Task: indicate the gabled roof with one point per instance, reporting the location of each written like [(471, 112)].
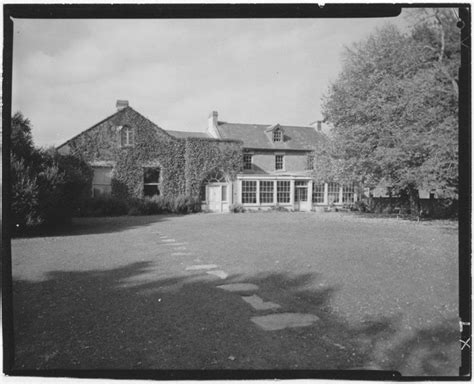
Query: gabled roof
[(186, 134), (257, 136), (125, 116)]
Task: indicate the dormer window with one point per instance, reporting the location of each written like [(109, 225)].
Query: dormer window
[(277, 135), (126, 136)]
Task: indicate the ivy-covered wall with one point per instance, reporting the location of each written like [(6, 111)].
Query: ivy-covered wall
[(184, 163), (205, 155)]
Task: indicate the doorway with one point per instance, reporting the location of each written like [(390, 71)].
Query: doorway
[(301, 194), (218, 197)]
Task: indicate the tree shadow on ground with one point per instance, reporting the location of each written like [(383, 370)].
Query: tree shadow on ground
[(123, 319), (90, 225)]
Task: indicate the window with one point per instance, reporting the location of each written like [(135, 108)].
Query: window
[(247, 161), (102, 181), (318, 193), (249, 192), (202, 192), (301, 190), (278, 162), (151, 181), (310, 162), (333, 193), (283, 191), (216, 176), (266, 192), (224, 193), (277, 135), (348, 194), (126, 136)]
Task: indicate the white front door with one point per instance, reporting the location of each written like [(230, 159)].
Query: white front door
[(218, 200), (215, 198)]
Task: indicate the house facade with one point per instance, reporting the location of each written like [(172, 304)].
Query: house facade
[(257, 165)]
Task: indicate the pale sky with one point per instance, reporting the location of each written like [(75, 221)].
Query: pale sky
[(68, 74)]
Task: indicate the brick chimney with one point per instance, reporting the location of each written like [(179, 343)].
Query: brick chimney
[(212, 125), (121, 104)]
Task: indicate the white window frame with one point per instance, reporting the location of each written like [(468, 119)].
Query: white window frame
[(282, 162), (348, 190), (251, 161), (286, 192), (256, 192), (272, 183), (317, 190), (332, 192), (277, 135), (129, 136)]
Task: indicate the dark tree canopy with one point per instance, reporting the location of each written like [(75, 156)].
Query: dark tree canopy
[(46, 187), (21, 138), (394, 107)]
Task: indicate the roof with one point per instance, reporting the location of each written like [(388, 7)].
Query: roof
[(124, 116), (186, 134), (258, 136)]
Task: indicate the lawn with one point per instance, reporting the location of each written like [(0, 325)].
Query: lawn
[(112, 293)]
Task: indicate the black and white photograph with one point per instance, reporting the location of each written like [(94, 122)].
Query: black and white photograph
[(236, 191)]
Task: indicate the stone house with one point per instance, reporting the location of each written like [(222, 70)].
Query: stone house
[(256, 165)]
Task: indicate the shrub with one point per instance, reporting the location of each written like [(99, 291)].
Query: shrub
[(49, 189), (159, 204), (104, 206), (278, 208), (25, 193), (360, 206), (237, 208)]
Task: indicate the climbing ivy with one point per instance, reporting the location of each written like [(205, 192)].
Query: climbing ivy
[(184, 163), (205, 155)]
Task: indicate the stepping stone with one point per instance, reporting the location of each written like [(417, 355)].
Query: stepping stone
[(169, 240), (238, 287), (218, 273), (180, 248), (258, 304), (200, 267), (173, 244), (277, 321)]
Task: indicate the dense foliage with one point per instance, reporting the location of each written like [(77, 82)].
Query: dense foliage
[(203, 156), (184, 163), (113, 206), (46, 187), (394, 108)]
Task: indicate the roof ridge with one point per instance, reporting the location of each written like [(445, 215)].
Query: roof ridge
[(267, 125), (95, 125)]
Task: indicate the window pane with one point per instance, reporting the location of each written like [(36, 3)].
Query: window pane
[(224, 193), (151, 190), (249, 192), (318, 193), (266, 192), (348, 194), (283, 191), (278, 162), (277, 135), (247, 161), (151, 175), (333, 193), (126, 136), (202, 193)]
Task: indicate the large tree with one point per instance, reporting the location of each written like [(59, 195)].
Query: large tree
[(393, 107), (46, 187)]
